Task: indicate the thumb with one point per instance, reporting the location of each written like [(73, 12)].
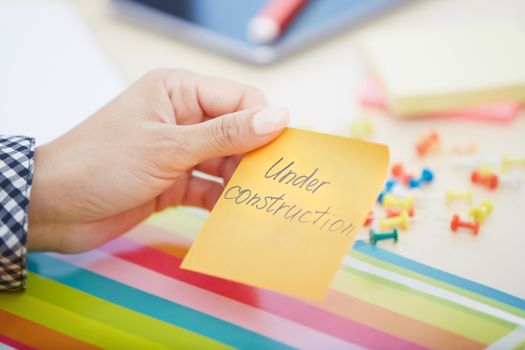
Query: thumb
[(234, 133)]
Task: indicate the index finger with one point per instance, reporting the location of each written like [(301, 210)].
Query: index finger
[(196, 98)]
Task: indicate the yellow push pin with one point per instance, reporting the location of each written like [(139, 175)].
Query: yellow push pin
[(401, 221), (507, 162), (362, 129), (451, 196), (484, 170), (481, 212), (391, 201)]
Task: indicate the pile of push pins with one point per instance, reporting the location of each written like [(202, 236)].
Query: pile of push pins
[(397, 202)]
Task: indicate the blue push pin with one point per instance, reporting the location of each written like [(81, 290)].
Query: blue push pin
[(379, 236), (389, 185), (427, 176)]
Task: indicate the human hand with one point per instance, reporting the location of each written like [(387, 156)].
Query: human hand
[(135, 156)]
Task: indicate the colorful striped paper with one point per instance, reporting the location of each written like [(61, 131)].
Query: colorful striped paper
[(131, 293)]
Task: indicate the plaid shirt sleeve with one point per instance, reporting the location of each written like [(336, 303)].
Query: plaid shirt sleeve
[(16, 173)]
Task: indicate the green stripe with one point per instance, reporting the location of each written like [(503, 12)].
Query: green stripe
[(420, 306), (482, 299), (116, 316), (69, 323)]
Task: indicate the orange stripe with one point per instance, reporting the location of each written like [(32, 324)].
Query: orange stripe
[(35, 335)]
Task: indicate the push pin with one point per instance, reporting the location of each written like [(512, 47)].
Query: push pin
[(391, 201), (362, 129), (507, 163), (369, 219), (398, 172), (456, 223), (427, 176), (490, 181), (400, 221), (379, 236), (396, 212), (460, 195), (484, 170), (481, 212), (389, 185), (427, 144)]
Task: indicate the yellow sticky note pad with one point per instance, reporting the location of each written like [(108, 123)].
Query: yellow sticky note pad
[(290, 213)]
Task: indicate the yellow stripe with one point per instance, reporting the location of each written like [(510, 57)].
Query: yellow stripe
[(419, 307), (116, 316), (69, 323)]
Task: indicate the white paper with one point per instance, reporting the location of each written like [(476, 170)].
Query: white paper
[(53, 74)]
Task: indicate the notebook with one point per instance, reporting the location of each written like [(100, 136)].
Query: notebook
[(372, 96), (426, 70)]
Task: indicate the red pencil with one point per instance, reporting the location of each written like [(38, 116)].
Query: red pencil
[(272, 20)]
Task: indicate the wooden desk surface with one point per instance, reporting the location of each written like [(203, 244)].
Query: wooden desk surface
[(319, 86)]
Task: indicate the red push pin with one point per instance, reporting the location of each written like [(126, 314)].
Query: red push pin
[(398, 172), (488, 180), (456, 222), (369, 219), (396, 212), (427, 144)]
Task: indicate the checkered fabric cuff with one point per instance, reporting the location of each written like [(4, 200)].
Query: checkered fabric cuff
[(16, 173)]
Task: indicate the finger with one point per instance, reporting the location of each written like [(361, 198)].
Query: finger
[(196, 98), (222, 167), (190, 190), (202, 193), (235, 133)]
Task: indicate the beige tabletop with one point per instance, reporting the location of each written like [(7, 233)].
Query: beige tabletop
[(319, 86)]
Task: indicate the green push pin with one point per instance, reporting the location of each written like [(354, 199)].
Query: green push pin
[(379, 236)]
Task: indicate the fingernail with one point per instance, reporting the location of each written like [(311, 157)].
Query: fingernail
[(270, 120)]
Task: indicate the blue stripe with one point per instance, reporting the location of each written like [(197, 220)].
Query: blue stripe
[(148, 304), (411, 265)]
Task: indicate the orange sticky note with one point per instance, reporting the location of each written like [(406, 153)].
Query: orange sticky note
[(290, 213)]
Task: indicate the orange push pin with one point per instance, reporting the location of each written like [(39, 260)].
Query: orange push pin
[(369, 219), (427, 144), (398, 172), (456, 223), (488, 180), (400, 221), (396, 212)]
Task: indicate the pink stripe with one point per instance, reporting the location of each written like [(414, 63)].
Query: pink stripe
[(14, 343), (292, 309), (207, 302)]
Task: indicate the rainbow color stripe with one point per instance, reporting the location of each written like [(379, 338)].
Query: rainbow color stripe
[(131, 293)]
